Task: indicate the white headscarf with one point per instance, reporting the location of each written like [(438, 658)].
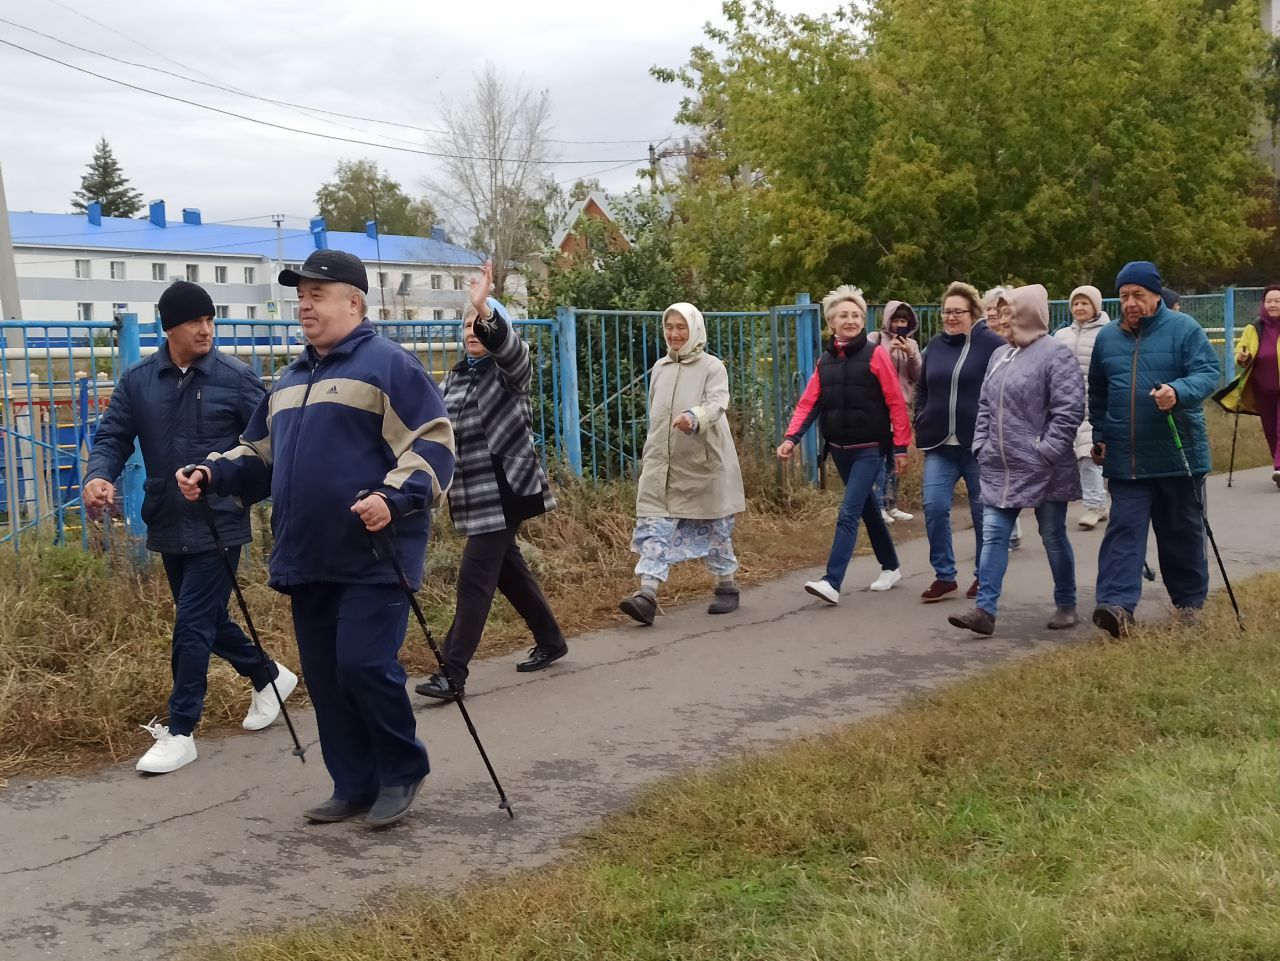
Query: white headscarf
[(697, 332)]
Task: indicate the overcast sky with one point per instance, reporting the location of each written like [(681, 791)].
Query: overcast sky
[(383, 59)]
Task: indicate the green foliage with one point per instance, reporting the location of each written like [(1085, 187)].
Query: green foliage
[(360, 192), (915, 143), (107, 184)]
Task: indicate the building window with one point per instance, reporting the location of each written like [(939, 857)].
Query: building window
[(158, 272), (222, 312), (459, 283), (382, 278), (193, 273), (293, 311), (83, 270), (84, 311), (437, 315), (384, 313), (457, 315), (436, 281), (219, 275), (117, 270), (248, 275)]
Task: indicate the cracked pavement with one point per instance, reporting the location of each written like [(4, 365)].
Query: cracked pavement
[(116, 864)]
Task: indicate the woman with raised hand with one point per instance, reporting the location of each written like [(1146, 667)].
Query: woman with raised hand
[(855, 397), (690, 481), (1030, 407)]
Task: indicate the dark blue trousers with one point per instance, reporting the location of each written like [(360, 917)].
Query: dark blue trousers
[(1168, 506), (201, 589), (349, 636)]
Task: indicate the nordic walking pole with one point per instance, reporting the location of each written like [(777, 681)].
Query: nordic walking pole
[(1231, 471), (503, 803), (299, 751), (1204, 514)]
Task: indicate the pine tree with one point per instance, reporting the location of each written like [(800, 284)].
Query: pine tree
[(105, 183)]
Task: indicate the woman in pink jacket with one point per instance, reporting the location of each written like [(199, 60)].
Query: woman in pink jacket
[(899, 326)]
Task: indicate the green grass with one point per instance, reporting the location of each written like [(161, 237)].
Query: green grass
[(1097, 802)]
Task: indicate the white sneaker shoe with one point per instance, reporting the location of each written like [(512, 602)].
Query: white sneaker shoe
[(264, 707), (886, 580), (888, 518), (823, 590), (1275, 478), (898, 515), (170, 752), (1089, 520)]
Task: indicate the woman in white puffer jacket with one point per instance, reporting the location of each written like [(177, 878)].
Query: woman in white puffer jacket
[(1088, 318)]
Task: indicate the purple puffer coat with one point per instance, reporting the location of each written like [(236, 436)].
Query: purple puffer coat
[(1031, 405)]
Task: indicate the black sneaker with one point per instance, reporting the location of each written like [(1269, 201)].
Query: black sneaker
[(1115, 620), (436, 686), (540, 657), (335, 810), (640, 606)]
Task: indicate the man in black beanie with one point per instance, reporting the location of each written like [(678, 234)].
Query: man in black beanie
[(182, 402)]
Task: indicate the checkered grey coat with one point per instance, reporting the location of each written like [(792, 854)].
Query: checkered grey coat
[(492, 422)]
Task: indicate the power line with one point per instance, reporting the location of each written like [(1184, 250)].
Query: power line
[(286, 103), (297, 130)]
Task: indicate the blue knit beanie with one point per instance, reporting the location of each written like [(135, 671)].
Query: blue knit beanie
[(1140, 272)]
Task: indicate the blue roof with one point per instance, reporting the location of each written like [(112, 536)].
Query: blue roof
[(32, 229)]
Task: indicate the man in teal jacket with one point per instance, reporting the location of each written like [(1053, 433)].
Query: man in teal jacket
[(1156, 361)]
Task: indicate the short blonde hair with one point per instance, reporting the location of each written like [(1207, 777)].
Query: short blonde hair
[(839, 296), (970, 293)]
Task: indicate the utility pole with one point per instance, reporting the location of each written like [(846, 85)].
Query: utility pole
[(11, 309), (275, 282), (653, 169), (10, 303)]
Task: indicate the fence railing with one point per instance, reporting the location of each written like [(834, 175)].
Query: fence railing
[(589, 393)]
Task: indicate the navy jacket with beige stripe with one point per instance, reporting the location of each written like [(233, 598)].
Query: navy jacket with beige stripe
[(365, 416)]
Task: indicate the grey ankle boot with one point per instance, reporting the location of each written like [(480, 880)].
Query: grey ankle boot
[(726, 599), (1063, 618), (640, 606)]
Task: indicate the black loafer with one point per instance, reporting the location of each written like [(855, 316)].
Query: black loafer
[(336, 809), (393, 803), (436, 686), (540, 657)]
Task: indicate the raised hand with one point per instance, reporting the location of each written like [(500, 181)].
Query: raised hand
[(480, 287)]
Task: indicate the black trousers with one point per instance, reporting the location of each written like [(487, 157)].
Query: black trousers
[(492, 562)]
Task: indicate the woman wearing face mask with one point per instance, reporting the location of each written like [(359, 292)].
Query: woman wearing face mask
[(497, 485), (1031, 405), (857, 400), (946, 408), (1257, 388), (897, 336), (1088, 318), (690, 482)]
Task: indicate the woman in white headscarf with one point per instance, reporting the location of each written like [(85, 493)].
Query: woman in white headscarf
[(690, 481)]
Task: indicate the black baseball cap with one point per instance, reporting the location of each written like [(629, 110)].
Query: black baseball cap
[(336, 266)]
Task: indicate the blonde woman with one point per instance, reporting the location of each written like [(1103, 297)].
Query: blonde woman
[(690, 482)]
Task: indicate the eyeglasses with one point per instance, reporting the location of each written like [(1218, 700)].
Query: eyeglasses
[(955, 313)]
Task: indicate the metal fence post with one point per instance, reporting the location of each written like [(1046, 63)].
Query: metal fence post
[(807, 327), (1229, 331), (134, 473), (570, 415)]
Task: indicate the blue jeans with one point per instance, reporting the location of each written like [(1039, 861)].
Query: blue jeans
[(943, 469), (997, 528), (1168, 506), (201, 627), (887, 483), (858, 469)]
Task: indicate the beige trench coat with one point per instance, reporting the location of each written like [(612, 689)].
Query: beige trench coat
[(690, 477)]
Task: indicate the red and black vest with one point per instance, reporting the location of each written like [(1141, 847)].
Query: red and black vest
[(851, 404)]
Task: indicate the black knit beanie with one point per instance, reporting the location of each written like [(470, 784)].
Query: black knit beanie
[(183, 301)]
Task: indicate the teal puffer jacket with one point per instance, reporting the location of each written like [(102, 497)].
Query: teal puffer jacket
[(1169, 348)]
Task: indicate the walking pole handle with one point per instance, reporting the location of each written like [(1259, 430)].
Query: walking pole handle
[(1173, 426)]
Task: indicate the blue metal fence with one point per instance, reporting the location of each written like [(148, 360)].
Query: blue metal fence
[(589, 392)]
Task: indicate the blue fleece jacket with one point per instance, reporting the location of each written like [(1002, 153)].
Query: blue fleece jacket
[(1171, 348), (365, 416), (950, 384)]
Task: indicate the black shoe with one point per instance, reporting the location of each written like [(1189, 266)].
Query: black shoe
[(436, 686), (336, 809), (640, 606), (540, 657), (393, 803), (1116, 621), (726, 599)]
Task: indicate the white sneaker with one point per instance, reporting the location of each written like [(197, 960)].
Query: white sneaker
[(264, 706), (823, 590), (898, 515), (888, 518), (1275, 478), (1089, 519), (886, 580), (170, 752)]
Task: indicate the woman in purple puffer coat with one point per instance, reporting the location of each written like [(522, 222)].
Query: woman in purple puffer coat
[(1031, 405)]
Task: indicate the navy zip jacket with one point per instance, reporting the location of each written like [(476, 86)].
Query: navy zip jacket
[(1171, 348), (365, 416), (950, 384), (177, 419)]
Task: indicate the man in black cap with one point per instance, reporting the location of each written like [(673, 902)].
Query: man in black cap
[(183, 401), (355, 414)]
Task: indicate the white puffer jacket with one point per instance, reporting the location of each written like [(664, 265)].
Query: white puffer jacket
[(1080, 339)]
